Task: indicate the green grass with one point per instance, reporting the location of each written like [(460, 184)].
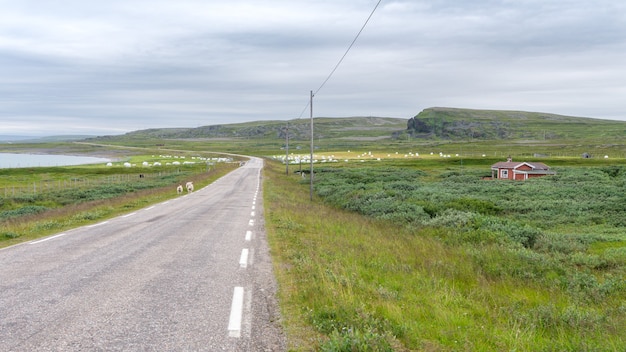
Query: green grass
[(28, 215), (455, 284), (417, 253)]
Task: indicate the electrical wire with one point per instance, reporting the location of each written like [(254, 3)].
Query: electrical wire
[(343, 57), (348, 50)]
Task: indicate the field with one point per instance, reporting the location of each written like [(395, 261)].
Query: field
[(404, 247), (410, 255), (38, 201)]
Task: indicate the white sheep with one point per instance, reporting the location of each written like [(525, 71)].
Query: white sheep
[(189, 186), (179, 189)]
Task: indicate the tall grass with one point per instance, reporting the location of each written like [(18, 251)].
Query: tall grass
[(445, 280)]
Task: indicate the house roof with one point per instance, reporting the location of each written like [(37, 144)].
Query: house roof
[(514, 165)]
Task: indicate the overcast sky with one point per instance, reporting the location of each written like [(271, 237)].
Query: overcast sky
[(109, 67)]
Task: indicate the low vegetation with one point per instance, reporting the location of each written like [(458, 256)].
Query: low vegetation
[(35, 202), (402, 248), (406, 258)]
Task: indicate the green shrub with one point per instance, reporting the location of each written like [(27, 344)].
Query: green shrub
[(26, 210), (26, 198), (613, 171), (454, 218), (479, 206), (515, 231), (558, 243), (88, 215), (10, 234), (587, 288), (591, 261), (616, 256), (46, 226)]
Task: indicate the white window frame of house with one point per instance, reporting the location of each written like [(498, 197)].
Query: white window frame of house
[(504, 173)]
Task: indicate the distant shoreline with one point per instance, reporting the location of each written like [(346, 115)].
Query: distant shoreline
[(24, 160)]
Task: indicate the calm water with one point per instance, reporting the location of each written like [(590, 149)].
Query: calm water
[(9, 160)]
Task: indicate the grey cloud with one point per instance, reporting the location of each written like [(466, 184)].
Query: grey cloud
[(138, 64)]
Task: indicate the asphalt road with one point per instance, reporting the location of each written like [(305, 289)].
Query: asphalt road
[(189, 274)]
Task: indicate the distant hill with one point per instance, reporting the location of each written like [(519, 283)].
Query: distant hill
[(452, 123), (346, 127), (435, 123)]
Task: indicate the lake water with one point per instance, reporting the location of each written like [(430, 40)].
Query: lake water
[(10, 160)]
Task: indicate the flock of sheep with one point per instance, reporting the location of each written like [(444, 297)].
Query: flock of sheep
[(188, 185)]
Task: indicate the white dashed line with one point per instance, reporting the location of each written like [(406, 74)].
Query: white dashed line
[(128, 215), (95, 225), (243, 260), (248, 236), (252, 214), (251, 222), (236, 311), (49, 238)]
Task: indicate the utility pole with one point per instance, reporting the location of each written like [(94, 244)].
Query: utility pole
[(311, 172), (287, 148)]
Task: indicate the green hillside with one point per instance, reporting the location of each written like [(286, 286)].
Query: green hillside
[(450, 123), (436, 123), (447, 130), (299, 129)]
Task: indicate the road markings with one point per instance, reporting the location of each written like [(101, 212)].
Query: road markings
[(236, 311), (248, 236), (95, 225), (128, 215), (252, 214), (251, 257), (49, 238), (243, 260), (152, 207), (251, 222)]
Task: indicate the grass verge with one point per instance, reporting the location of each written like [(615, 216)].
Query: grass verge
[(350, 283)]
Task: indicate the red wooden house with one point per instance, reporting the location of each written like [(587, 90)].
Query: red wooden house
[(511, 170)]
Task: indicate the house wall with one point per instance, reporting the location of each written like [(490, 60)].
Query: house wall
[(508, 177)]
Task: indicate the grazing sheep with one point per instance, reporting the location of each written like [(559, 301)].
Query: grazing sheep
[(179, 189), (189, 186)]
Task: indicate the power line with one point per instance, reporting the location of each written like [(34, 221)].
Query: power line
[(348, 50), (343, 57)]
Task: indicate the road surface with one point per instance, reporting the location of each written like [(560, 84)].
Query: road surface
[(189, 274)]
